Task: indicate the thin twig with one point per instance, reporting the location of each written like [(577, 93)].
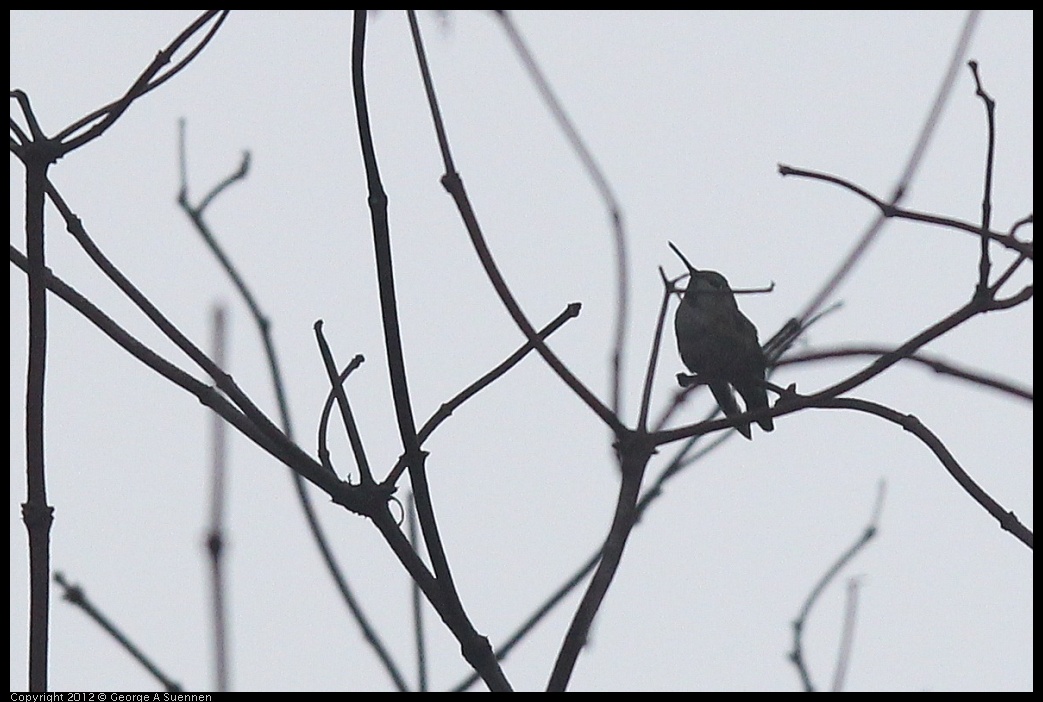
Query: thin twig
[(653, 360), (986, 198), (223, 380), (327, 411), (797, 654), (418, 610), (215, 540), (74, 595), (354, 438), (447, 408), (1008, 521), (847, 635)]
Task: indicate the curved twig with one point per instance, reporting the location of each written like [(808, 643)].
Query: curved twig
[(327, 411), (615, 212), (149, 80), (1008, 521), (911, 166), (337, 387), (797, 654)]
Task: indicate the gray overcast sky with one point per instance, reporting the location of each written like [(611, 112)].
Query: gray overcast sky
[(688, 113)]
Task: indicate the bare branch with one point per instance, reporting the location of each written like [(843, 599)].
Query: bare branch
[(634, 452), (938, 365), (475, 648), (889, 210), (264, 328), (454, 185)]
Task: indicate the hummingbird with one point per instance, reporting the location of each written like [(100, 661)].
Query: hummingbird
[(719, 344)]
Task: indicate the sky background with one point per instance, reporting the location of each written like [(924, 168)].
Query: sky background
[(688, 114)]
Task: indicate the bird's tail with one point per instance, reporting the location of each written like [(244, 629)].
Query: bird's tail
[(756, 397), (722, 392)]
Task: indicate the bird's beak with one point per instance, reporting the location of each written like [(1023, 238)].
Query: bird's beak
[(691, 269)]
